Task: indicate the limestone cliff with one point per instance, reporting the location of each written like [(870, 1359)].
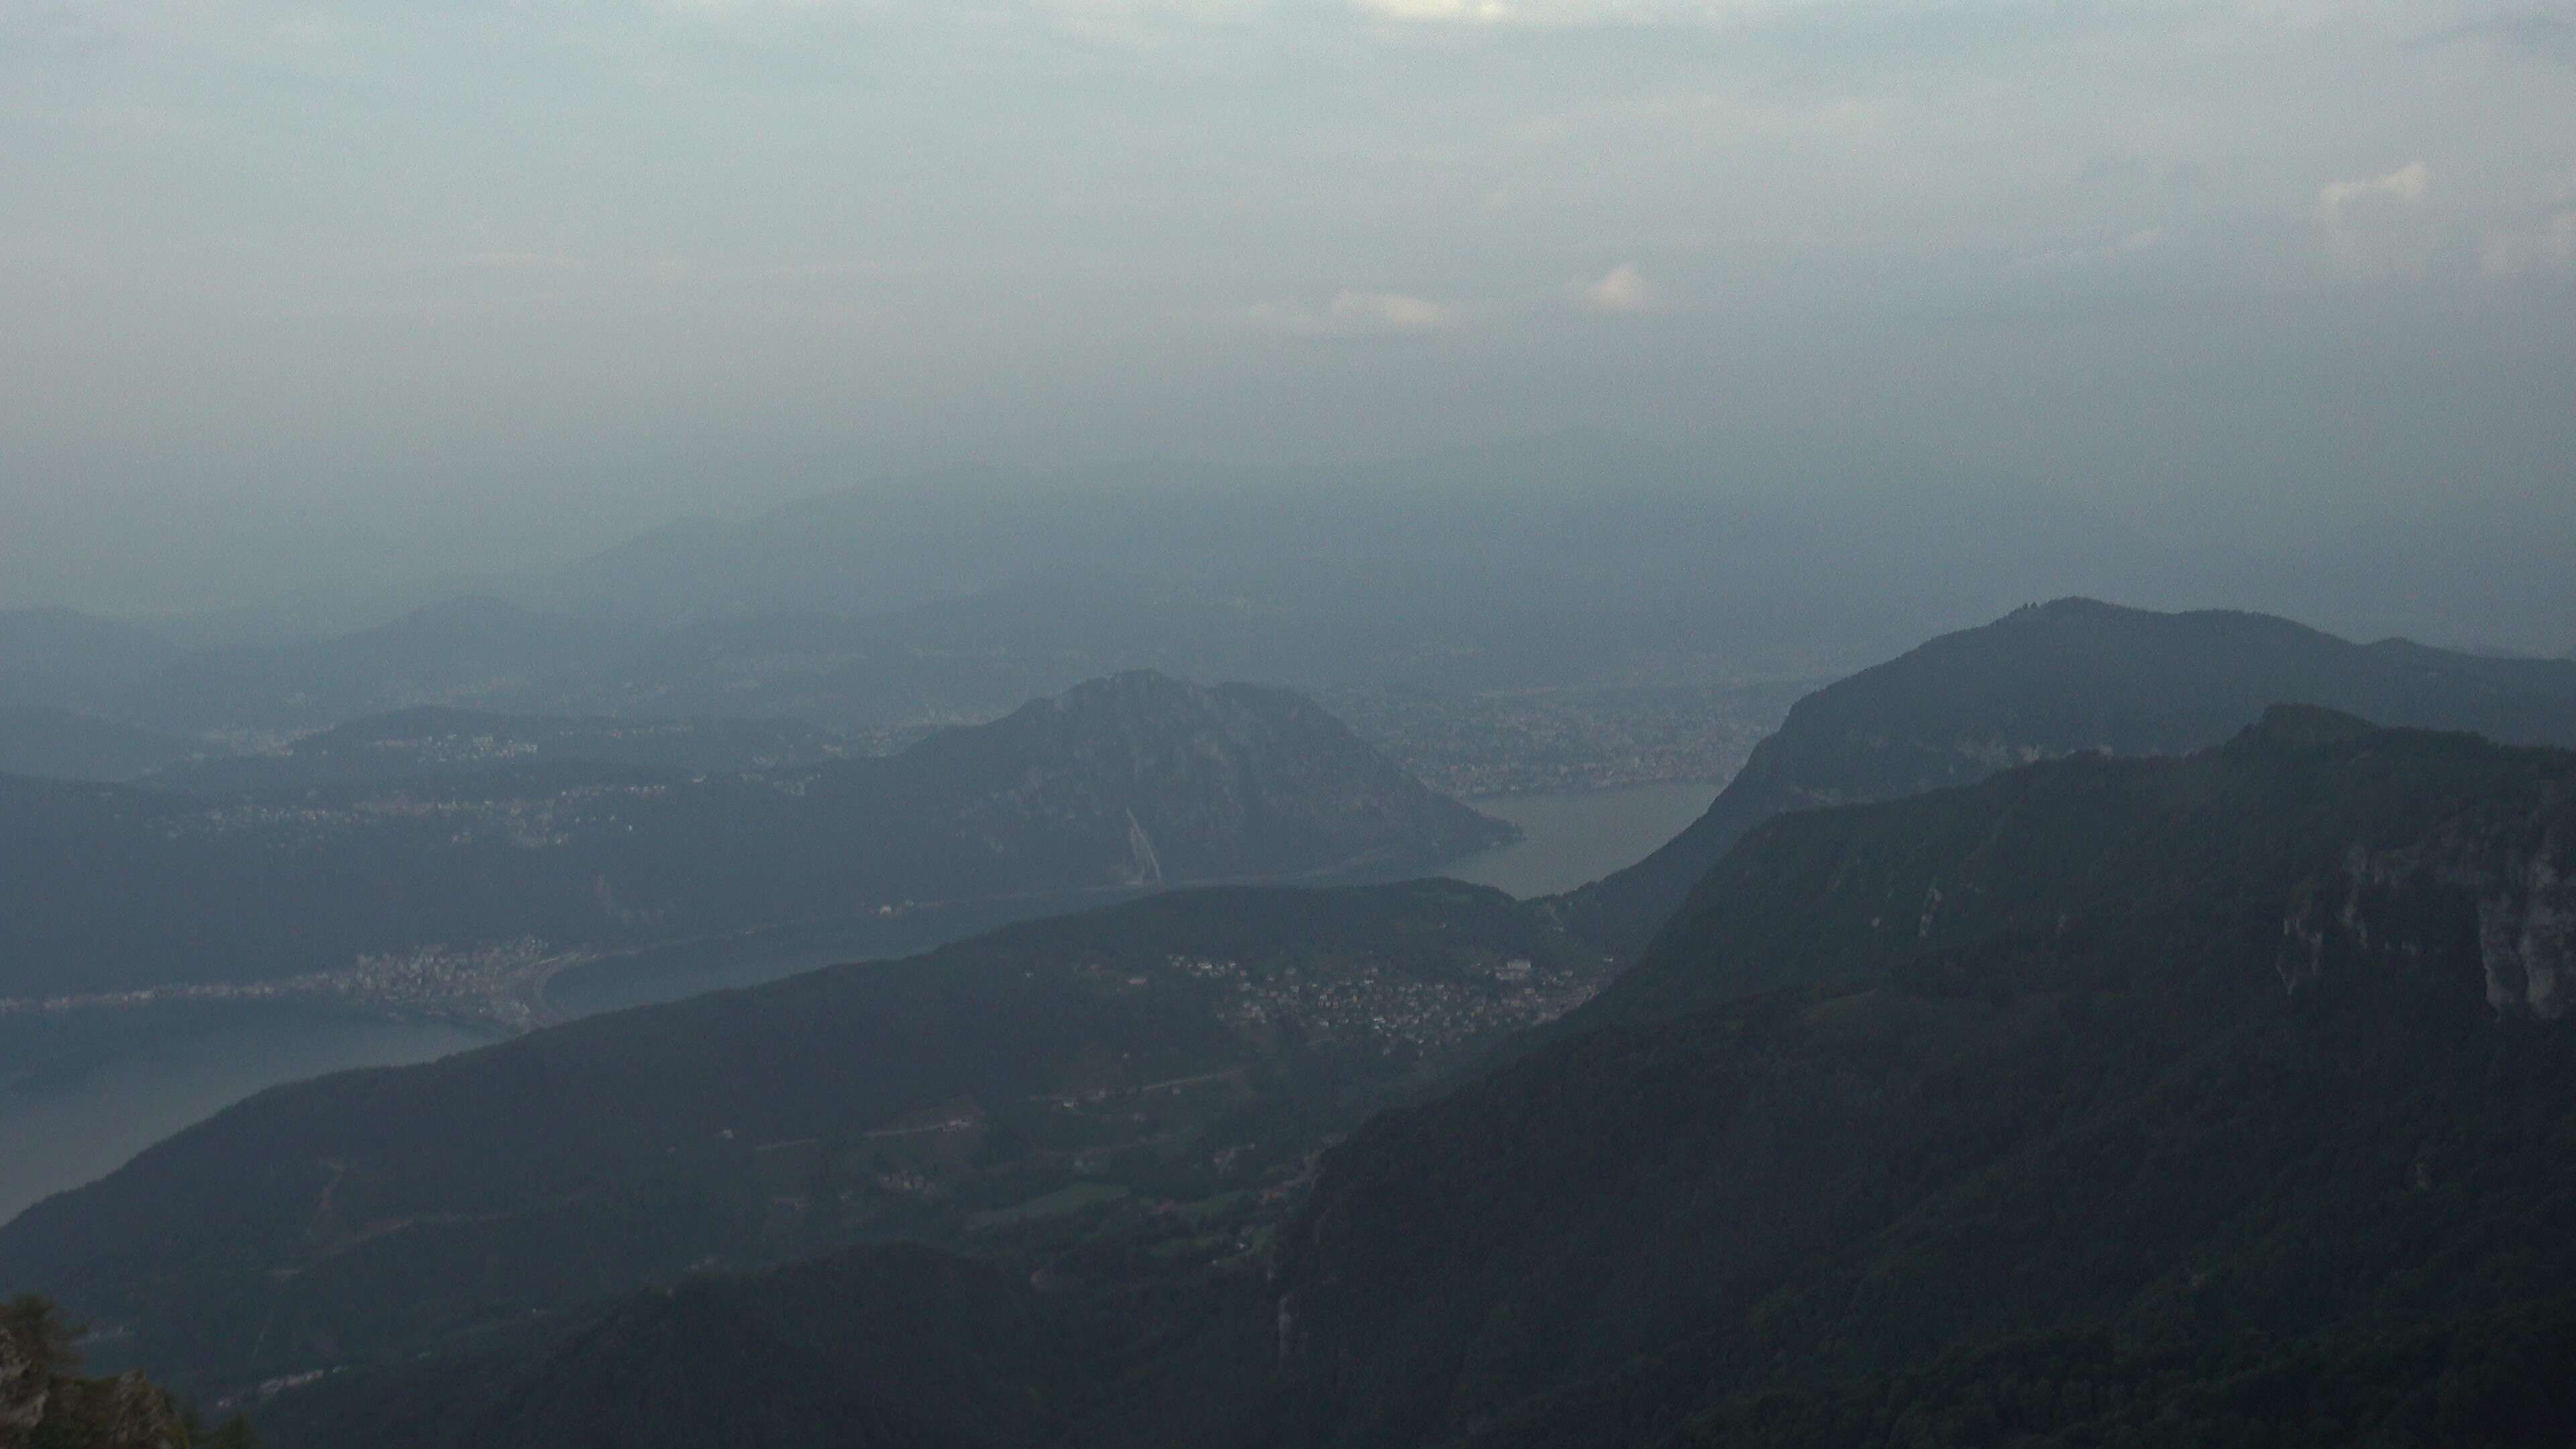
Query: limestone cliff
[(43, 1401), (2498, 888)]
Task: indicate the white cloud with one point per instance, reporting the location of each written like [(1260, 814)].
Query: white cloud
[(1621, 289), (2407, 183), (1357, 314), (2378, 226)]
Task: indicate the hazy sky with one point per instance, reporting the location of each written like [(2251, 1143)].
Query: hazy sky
[(299, 291)]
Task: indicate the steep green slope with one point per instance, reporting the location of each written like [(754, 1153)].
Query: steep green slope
[(2493, 1378), (1186, 1050), (892, 1346), (2261, 1042), (2058, 678), (2028, 850)]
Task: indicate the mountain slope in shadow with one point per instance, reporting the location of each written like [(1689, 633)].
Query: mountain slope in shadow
[(2058, 678)]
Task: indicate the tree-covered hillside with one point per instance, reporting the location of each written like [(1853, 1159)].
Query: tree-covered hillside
[(2263, 1043), (2219, 1099), (888, 1345), (1163, 1067), (2058, 678), (2223, 1100), (404, 884)]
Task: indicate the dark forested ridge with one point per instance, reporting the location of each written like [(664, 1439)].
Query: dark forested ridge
[(1168, 1063), (2057, 678), (1137, 780), (2120, 1098), (2225, 1099), (2491, 1378), (891, 1345), (2258, 1047), (2107, 1101)]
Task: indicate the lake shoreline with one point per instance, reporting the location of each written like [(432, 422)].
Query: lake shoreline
[(91, 1090)]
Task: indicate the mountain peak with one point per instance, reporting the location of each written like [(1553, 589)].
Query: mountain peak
[(2071, 607), (1202, 772), (1129, 684), (2074, 675)]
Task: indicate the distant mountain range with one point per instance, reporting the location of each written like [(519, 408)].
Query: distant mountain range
[(432, 741), (1786, 561), (955, 596), (1135, 781), (464, 652), (58, 670), (2037, 1055), (1552, 561), (2060, 678), (880, 678)]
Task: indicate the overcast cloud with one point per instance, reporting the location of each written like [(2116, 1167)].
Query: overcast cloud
[(284, 281)]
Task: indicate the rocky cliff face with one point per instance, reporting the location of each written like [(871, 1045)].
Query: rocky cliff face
[(125, 1412), (24, 1389), (1983, 1063), (2500, 889), (43, 1403)]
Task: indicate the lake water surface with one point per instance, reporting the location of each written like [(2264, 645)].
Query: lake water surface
[(134, 1081), (1572, 840), (81, 1095)]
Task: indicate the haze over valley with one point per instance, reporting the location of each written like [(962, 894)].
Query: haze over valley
[(1287, 724)]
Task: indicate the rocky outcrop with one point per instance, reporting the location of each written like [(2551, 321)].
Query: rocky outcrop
[(125, 1412), (24, 1390), (43, 1402), (2527, 937), (2499, 890)]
